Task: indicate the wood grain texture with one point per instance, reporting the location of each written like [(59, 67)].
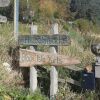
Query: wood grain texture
[(29, 58)]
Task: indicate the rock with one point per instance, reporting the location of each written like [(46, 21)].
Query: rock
[(7, 67)]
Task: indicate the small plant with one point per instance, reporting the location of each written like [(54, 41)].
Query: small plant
[(21, 94), (47, 8), (83, 25)]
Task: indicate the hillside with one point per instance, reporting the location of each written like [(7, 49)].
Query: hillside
[(83, 29)]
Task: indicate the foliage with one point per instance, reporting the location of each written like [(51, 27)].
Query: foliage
[(89, 9), (76, 49), (95, 29), (83, 25), (65, 94), (8, 11), (47, 8), (90, 95), (47, 12), (20, 94)]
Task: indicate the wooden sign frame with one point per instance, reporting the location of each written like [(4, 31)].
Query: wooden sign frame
[(57, 39)]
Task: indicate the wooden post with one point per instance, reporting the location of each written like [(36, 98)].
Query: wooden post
[(16, 18), (53, 71), (33, 71)]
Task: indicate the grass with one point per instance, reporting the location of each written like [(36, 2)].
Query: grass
[(21, 94), (76, 49)]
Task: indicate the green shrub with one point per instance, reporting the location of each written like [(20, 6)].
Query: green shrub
[(83, 25), (66, 27), (21, 94)]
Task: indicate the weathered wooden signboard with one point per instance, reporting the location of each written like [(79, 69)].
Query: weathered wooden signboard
[(44, 40), (4, 3), (28, 58), (3, 19)]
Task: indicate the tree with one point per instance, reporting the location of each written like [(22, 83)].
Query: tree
[(86, 9)]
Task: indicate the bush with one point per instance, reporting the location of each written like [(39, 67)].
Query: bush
[(83, 25), (21, 94), (47, 8)]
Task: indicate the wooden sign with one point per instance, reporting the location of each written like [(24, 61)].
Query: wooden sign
[(4, 3), (44, 40), (29, 58), (3, 19)]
